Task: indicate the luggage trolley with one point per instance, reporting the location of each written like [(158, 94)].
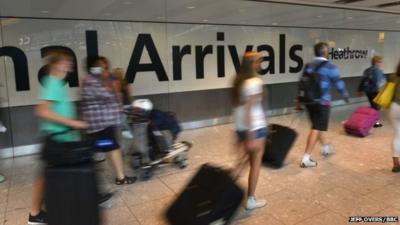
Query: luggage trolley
[(152, 147)]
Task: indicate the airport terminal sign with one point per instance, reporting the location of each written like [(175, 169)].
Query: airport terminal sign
[(164, 58)]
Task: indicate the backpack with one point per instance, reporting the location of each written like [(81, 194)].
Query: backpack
[(367, 84), (309, 85), (165, 121)]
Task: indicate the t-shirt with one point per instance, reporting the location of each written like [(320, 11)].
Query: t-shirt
[(54, 90), (250, 87)]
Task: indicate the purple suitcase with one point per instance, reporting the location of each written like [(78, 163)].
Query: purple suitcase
[(361, 121)]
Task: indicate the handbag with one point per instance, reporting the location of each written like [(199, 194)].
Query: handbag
[(385, 96), (56, 153)]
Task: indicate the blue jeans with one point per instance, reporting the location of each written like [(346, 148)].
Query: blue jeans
[(260, 133)]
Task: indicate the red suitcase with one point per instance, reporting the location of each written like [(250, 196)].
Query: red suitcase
[(361, 121)]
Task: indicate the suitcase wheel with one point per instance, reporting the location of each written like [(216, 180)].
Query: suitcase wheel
[(182, 164), (136, 162), (181, 161), (147, 173)]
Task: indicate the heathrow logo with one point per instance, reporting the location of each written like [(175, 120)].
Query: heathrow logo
[(347, 53)]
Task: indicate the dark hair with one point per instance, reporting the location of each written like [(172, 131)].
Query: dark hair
[(93, 61), (320, 48), (246, 71)]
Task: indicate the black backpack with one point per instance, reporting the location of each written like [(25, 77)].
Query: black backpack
[(367, 83), (309, 85)]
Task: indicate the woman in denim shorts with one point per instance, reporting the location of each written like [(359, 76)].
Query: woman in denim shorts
[(250, 123)]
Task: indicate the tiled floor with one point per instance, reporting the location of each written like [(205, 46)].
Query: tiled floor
[(355, 181)]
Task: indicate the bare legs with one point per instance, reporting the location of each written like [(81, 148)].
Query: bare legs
[(313, 137), (37, 195), (252, 157), (117, 163), (255, 157)]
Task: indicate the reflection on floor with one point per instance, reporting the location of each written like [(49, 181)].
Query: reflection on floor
[(355, 181)]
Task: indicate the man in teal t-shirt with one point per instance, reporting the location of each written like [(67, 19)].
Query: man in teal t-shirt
[(54, 90), (57, 114)]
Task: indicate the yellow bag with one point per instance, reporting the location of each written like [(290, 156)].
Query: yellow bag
[(385, 96)]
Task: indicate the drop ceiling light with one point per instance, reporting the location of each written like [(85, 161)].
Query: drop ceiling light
[(160, 17), (349, 18), (44, 11), (274, 23), (191, 7), (205, 20)]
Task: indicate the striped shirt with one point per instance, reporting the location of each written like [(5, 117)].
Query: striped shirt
[(100, 106)]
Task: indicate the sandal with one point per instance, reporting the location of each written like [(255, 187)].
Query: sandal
[(125, 180), (396, 169)]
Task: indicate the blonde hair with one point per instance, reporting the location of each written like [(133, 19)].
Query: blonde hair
[(376, 59), (246, 71), (56, 56)]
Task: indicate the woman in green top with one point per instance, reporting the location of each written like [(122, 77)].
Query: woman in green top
[(57, 113), (395, 119)]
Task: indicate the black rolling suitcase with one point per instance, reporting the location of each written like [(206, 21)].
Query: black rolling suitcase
[(211, 197), (279, 141), (71, 195)]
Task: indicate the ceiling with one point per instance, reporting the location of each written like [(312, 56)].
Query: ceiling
[(306, 13)]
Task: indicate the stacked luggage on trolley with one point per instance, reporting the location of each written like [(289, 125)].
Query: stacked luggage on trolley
[(155, 136)]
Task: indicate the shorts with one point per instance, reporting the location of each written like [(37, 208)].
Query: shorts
[(319, 116), (108, 135), (260, 133)]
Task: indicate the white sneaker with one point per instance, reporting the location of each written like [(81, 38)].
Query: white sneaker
[(308, 163), (3, 129), (327, 150), (252, 203), (127, 134)]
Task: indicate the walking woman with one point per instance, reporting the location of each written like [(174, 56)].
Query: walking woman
[(250, 123), (57, 113), (395, 119)]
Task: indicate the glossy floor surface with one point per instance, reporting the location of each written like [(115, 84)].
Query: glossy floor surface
[(356, 181)]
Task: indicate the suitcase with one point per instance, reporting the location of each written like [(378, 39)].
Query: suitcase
[(279, 141), (211, 197), (361, 121), (71, 195)]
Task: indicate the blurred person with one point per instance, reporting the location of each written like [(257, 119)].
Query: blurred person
[(102, 110), (319, 109), (2, 178), (250, 123), (56, 113), (372, 81), (125, 98), (394, 114), (122, 86), (2, 130)]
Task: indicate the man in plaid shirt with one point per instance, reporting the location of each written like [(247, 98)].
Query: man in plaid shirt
[(101, 109)]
